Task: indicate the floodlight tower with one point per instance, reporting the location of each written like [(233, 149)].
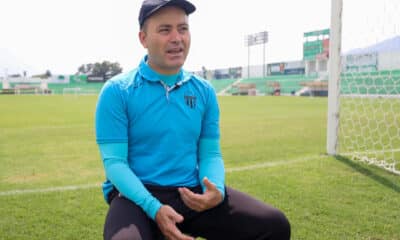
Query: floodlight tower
[(6, 84), (256, 39)]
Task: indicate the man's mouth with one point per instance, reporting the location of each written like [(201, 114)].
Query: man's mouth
[(175, 50)]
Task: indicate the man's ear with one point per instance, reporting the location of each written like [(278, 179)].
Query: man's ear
[(142, 38)]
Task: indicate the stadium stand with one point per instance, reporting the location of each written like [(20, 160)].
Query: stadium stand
[(84, 88), (288, 84), (377, 82), (245, 89), (220, 84)]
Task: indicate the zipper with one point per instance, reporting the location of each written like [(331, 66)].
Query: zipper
[(169, 89)]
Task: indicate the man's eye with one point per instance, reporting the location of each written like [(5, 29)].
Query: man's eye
[(164, 30), (183, 29)]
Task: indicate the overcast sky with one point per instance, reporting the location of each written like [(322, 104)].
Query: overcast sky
[(60, 35)]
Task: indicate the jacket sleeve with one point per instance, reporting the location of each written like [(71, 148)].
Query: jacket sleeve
[(211, 164), (116, 167)]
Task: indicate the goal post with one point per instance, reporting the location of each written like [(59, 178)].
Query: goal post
[(334, 76), (363, 120)]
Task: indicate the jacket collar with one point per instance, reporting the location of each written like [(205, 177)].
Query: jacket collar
[(150, 75)]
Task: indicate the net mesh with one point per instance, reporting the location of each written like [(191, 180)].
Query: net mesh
[(369, 110)]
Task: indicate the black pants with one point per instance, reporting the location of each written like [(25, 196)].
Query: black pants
[(238, 217)]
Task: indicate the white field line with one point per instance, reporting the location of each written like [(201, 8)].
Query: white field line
[(267, 164), (95, 185), (48, 127), (51, 189)]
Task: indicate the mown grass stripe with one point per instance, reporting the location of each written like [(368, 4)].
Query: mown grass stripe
[(94, 185)]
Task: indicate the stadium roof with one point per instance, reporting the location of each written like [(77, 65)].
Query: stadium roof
[(388, 45)]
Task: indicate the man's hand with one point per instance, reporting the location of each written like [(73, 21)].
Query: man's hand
[(201, 202), (166, 219)]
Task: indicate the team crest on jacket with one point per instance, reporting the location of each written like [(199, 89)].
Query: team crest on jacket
[(190, 100)]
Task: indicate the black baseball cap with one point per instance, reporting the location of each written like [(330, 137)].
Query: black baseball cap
[(151, 6)]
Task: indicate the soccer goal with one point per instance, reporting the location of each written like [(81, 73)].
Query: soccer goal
[(79, 91), (73, 90), (364, 82)]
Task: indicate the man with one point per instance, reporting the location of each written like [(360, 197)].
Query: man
[(157, 128)]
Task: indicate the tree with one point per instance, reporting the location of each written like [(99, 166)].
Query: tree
[(45, 75), (104, 70)]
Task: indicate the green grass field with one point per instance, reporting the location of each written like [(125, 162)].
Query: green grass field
[(273, 147)]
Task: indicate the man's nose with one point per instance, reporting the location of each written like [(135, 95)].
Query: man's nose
[(176, 36)]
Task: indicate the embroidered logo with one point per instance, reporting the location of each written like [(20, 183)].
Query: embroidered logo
[(190, 101)]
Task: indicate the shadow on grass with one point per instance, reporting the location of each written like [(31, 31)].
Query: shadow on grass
[(371, 174)]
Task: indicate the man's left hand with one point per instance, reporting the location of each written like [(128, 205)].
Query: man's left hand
[(201, 202)]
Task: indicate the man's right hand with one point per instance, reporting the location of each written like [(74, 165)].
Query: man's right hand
[(166, 219)]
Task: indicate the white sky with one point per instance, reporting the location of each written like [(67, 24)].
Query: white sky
[(60, 35)]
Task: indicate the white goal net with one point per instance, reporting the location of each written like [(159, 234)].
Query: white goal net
[(368, 106), (78, 91)]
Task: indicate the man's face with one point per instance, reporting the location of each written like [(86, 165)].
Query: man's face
[(166, 36)]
